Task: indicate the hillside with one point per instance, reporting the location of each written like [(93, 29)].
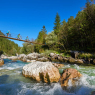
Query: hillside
[(7, 46)]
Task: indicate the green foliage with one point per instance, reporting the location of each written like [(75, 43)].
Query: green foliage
[(47, 52), (40, 39), (51, 39), (85, 55), (1, 33), (66, 54), (79, 33), (42, 35), (27, 48), (57, 24), (7, 46)]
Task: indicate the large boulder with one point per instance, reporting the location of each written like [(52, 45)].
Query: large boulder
[(55, 56), (3, 56), (33, 56), (79, 61), (43, 59), (28, 60), (91, 61), (24, 59), (51, 54), (69, 74), (60, 58), (21, 56), (1, 62), (74, 54), (13, 58), (71, 60), (41, 71), (65, 59)]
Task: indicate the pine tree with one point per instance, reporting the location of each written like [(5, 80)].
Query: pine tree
[(57, 24), (42, 35)]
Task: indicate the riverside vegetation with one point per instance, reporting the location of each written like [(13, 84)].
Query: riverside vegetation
[(75, 34)]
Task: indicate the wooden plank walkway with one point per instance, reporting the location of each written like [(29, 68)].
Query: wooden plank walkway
[(21, 40)]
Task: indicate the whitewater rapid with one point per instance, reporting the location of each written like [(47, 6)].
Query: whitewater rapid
[(12, 82)]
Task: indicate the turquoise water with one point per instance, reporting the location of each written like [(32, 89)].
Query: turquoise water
[(13, 83)]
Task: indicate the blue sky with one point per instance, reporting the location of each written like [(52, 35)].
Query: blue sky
[(27, 17)]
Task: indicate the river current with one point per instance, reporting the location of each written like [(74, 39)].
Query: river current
[(12, 82)]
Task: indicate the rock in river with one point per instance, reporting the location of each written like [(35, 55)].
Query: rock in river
[(69, 74), (1, 62), (41, 71)]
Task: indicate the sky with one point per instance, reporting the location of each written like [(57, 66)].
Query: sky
[(27, 17)]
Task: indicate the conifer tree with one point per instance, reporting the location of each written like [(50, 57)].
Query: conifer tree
[(57, 24)]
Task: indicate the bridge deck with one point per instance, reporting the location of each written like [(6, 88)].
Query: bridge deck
[(20, 40)]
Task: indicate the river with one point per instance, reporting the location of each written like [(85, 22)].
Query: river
[(12, 82)]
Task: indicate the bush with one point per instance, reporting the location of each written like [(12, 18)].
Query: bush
[(85, 55), (66, 54)]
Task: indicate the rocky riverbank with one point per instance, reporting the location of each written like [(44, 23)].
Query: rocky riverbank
[(48, 72), (52, 57)]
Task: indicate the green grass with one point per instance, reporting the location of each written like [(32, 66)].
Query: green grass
[(86, 55), (65, 55), (47, 52)]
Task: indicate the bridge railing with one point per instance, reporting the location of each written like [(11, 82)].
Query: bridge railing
[(13, 35)]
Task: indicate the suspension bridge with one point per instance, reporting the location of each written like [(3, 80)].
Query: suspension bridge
[(3, 35)]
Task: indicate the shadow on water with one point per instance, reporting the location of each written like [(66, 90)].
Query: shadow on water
[(9, 88), (3, 79), (18, 87), (6, 61)]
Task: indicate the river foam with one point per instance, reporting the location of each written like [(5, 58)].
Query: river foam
[(12, 81)]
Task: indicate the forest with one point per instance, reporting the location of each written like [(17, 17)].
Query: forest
[(8, 47), (76, 34)]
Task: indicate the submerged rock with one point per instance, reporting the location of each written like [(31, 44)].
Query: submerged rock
[(41, 71), (69, 74), (1, 62)]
